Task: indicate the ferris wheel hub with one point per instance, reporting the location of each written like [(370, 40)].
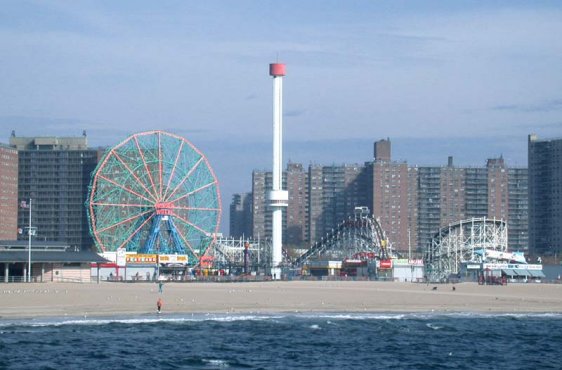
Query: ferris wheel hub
[(164, 208)]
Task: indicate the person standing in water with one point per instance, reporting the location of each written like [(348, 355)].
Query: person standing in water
[(159, 304)]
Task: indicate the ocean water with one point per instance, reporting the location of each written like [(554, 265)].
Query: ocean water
[(285, 341)]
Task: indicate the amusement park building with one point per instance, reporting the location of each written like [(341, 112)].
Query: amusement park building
[(55, 173), (411, 203), (545, 196), (8, 192)]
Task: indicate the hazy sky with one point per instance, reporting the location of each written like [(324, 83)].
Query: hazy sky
[(462, 78)]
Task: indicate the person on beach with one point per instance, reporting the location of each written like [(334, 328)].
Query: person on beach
[(159, 304)]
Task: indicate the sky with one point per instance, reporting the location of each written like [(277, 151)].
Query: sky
[(468, 79)]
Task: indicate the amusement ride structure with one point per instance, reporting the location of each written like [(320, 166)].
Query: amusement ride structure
[(360, 236), (278, 197), (154, 193), (468, 241)]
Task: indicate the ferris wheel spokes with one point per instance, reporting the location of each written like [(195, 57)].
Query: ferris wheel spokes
[(148, 172), (188, 244), (154, 192), (193, 192), (121, 205), (187, 175), (195, 208), (141, 183), (124, 188), (160, 165), (173, 171), (204, 232), (136, 231), (125, 221)]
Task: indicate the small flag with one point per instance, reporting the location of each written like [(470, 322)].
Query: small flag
[(23, 204)]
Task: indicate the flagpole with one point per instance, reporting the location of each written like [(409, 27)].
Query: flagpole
[(29, 246)]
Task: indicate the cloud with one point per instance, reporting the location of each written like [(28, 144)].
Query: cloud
[(46, 125), (294, 113), (545, 106)]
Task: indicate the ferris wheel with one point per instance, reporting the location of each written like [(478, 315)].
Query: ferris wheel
[(154, 193)]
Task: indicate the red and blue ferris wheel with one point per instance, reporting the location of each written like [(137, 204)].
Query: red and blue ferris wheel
[(154, 193)]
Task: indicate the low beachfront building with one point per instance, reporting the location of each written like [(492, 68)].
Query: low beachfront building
[(132, 266), (50, 262), (407, 270)]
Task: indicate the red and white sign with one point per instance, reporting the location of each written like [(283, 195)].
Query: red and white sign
[(386, 264), (141, 258), (164, 208)]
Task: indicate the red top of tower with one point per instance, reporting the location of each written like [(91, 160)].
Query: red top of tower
[(277, 69)]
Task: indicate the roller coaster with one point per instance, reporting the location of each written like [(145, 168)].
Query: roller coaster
[(358, 236), (463, 242)]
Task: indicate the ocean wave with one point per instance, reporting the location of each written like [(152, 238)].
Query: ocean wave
[(199, 317), (54, 321)]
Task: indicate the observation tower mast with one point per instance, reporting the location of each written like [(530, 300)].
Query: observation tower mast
[(277, 196)]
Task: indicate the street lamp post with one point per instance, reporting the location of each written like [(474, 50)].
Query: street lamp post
[(29, 246)]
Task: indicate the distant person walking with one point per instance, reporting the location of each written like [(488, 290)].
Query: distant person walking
[(159, 304), (160, 287)]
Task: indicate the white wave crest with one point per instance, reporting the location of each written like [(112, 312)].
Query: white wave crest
[(331, 317)]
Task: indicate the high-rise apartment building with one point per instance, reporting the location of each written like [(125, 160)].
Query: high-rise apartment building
[(241, 215), (334, 192), (55, 173), (545, 196), (390, 186), (476, 192), (382, 150), (318, 200), (411, 203), (452, 204), (296, 182), (413, 211), (498, 189), (429, 203), (261, 213), (8, 193), (518, 214), (449, 194), (315, 203)]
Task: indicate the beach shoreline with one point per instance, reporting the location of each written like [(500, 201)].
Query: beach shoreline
[(42, 300)]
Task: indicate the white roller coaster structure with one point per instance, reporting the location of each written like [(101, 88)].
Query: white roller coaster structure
[(359, 234), (461, 243), (240, 253)]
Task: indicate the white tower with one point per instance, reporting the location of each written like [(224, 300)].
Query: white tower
[(277, 196)]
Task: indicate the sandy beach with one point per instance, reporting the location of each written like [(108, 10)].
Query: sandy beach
[(107, 299)]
